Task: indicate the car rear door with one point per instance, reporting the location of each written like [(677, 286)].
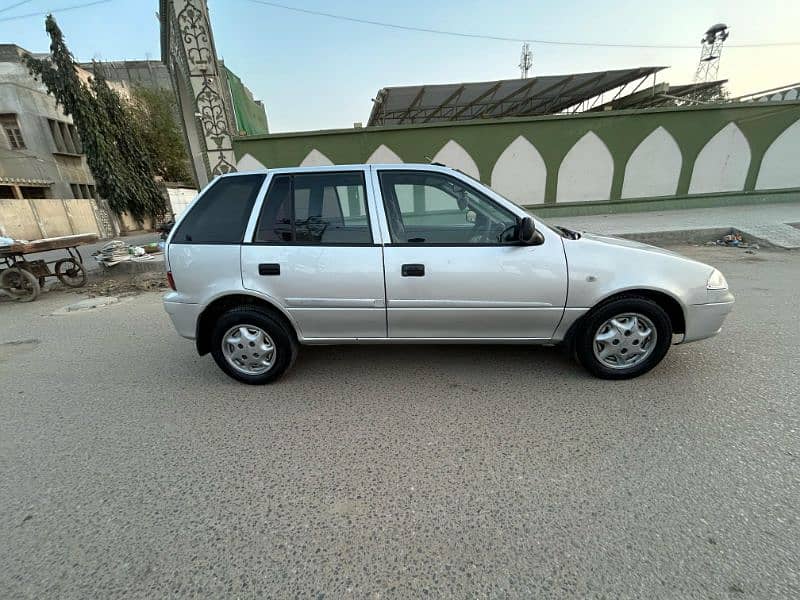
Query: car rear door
[(203, 253), (313, 249), (453, 269)]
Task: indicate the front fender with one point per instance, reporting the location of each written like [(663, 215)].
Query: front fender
[(602, 267)]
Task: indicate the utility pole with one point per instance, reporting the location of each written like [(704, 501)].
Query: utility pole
[(525, 61)]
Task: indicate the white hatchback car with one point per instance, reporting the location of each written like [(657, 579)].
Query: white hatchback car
[(261, 262)]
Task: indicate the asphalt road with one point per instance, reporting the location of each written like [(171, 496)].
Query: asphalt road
[(130, 467)]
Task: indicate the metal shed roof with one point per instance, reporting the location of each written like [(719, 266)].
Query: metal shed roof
[(662, 94), (492, 99)]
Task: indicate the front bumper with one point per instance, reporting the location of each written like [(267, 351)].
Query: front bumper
[(705, 320), (184, 317)]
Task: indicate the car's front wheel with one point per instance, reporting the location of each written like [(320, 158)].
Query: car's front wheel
[(252, 346), (624, 338)]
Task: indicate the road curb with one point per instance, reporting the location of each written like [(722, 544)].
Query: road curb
[(702, 236), (680, 236)]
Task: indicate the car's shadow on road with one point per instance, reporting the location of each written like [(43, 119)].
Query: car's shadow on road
[(429, 357), (416, 363), (426, 365), (410, 361)]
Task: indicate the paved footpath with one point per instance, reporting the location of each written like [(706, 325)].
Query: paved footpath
[(767, 223)]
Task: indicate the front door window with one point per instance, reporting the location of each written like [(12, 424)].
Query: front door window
[(434, 208)]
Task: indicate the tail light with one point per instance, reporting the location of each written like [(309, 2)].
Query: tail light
[(171, 281)]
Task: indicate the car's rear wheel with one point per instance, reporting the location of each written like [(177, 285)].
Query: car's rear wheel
[(624, 338), (252, 346)]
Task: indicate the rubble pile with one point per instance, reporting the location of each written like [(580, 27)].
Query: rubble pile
[(734, 240), (126, 286), (116, 251)]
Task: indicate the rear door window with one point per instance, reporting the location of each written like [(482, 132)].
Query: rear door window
[(221, 214), (315, 208)]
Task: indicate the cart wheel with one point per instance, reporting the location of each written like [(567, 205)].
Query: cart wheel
[(70, 272), (20, 284)]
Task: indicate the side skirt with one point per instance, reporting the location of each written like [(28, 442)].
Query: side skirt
[(339, 341)]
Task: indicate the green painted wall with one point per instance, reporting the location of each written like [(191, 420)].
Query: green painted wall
[(663, 203), (553, 136), (251, 116)]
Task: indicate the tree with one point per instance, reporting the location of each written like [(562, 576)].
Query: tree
[(153, 113), (113, 147)]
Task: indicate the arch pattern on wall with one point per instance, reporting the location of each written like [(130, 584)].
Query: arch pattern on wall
[(780, 167), (654, 167), (722, 164), (453, 155), (383, 155), (315, 158), (249, 163), (520, 173), (586, 172)]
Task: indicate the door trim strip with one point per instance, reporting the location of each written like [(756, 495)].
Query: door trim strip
[(478, 304), (335, 303)]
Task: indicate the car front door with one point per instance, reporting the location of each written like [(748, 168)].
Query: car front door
[(454, 269), (313, 251)]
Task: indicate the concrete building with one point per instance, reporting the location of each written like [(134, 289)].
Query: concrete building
[(245, 114), (40, 149), (151, 74)]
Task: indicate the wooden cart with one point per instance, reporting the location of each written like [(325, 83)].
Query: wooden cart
[(23, 278)]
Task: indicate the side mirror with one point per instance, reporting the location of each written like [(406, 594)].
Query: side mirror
[(526, 231)]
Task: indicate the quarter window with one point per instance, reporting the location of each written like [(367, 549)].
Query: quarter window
[(221, 214), (318, 208), (433, 208)]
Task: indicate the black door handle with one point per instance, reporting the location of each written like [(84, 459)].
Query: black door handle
[(269, 269), (413, 271)]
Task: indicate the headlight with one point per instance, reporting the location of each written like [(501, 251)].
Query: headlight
[(717, 281)]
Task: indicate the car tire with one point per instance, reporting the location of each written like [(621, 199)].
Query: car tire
[(611, 340), (240, 342)]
